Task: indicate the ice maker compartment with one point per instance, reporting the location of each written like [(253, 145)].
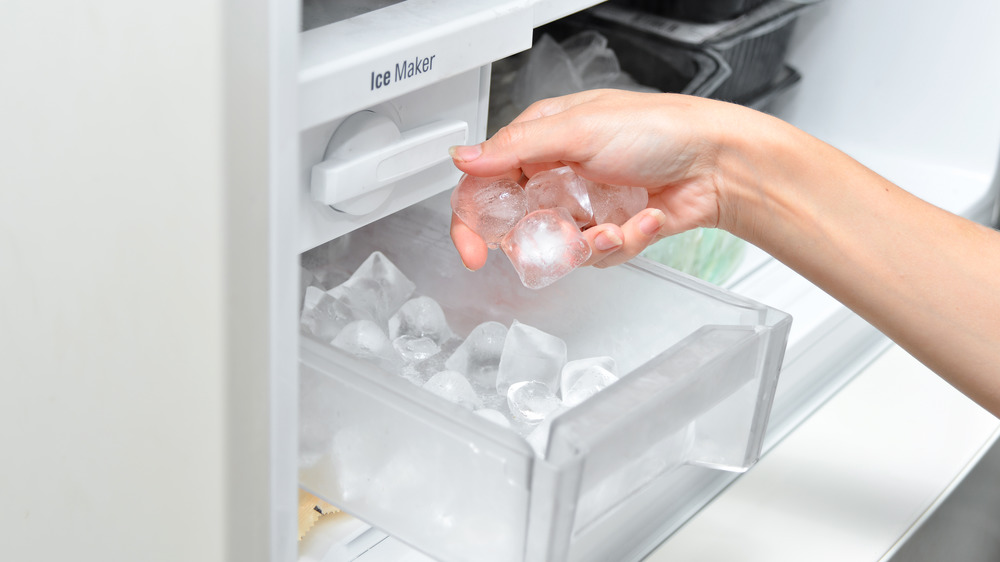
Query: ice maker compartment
[(698, 367)]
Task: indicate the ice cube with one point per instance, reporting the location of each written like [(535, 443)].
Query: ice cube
[(560, 187), (495, 416), (478, 357), (366, 340), (413, 349), (615, 203), (419, 371), (324, 315), (454, 387), (549, 72), (530, 354), (591, 381), (489, 206), (544, 246), (573, 370), (420, 317), (377, 287), (596, 64), (531, 401)]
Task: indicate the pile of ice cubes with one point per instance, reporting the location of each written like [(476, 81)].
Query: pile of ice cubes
[(516, 376), (538, 226)]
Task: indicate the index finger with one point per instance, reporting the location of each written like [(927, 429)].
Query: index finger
[(471, 247), (542, 134)]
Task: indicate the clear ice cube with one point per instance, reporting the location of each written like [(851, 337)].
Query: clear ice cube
[(478, 357), (591, 381), (545, 246), (596, 64), (489, 206), (573, 370), (549, 72), (366, 340), (560, 187), (420, 317), (377, 287), (324, 315), (413, 349), (615, 203), (530, 354), (454, 387), (531, 401), (418, 372)]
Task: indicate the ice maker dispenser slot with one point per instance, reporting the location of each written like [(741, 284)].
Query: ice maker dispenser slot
[(367, 154)]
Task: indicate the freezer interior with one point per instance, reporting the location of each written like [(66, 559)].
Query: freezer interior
[(698, 367)]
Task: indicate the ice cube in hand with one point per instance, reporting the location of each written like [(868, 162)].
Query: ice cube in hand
[(452, 386), (377, 287), (531, 401), (366, 340), (479, 355), (489, 206), (545, 246), (530, 354), (420, 317), (615, 203), (560, 187), (573, 370), (590, 381)]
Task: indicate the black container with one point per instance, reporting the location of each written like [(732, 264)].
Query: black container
[(762, 100), (702, 11), (753, 46), (756, 61), (650, 60)]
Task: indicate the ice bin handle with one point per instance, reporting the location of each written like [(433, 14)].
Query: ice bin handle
[(368, 153)]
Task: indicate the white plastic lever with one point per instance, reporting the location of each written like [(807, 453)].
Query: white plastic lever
[(367, 154)]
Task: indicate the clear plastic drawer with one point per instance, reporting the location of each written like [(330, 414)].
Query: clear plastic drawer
[(699, 367)]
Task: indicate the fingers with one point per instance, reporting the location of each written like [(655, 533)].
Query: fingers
[(471, 247), (639, 232), (604, 240)]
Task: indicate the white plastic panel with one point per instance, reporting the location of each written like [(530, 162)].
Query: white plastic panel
[(904, 86), (357, 63), (459, 99)]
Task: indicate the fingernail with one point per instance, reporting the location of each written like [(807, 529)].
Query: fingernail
[(607, 240), (652, 222), (466, 153)]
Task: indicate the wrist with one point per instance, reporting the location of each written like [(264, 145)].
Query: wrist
[(765, 168)]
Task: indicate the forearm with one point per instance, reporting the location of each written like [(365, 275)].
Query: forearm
[(928, 279)]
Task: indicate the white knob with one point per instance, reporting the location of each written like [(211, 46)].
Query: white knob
[(367, 154)]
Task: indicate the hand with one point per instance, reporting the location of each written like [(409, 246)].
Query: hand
[(663, 142)]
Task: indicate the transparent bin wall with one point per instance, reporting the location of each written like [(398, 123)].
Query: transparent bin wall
[(430, 472), (699, 369)]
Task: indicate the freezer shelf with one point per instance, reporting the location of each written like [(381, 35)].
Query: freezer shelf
[(702, 366)]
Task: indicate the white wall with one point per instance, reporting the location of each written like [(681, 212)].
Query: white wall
[(910, 88), (122, 334)]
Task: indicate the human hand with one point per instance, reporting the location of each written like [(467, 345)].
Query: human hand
[(662, 142)]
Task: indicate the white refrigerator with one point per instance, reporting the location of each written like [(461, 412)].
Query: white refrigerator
[(159, 191)]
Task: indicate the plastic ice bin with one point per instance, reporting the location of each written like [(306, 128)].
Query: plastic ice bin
[(701, 365)]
